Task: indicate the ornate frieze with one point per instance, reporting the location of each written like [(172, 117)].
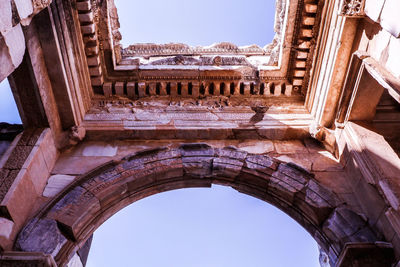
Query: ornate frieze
[(183, 49), (222, 62), (352, 8), (201, 61)]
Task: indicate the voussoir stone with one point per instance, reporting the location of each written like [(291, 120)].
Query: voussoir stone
[(41, 235)]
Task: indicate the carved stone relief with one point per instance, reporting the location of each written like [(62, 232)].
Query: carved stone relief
[(352, 8)]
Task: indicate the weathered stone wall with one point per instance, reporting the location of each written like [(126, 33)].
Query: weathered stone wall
[(355, 198), (83, 196), (24, 170), (14, 15), (381, 36)]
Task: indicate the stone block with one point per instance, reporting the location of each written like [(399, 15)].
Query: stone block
[(107, 89), (197, 159), (37, 168), (264, 164), (319, 196), (15, 42), (97, 81), (41, 235), (174, 89), (86, 17), (130, 87), (290, 147), (99, 150), (48, 148), (83, 6), (344, 225), (384, 226), (18, 202), (337, 181), (5, 16), (24, 8), (325, 161), (6, 228), (152, 88), (81, 164), (74, 210), (390, 17), (88, 29), (229, 163), (303, 160), (12, 50), (278, 90), (142, 89), (7, 66), (92, 50), (119, 88), (184, 89), (56, 184), (256, 147), (297, 82), (95, 71), (311, 8)]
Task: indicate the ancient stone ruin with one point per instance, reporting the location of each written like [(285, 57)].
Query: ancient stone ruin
[(309, 123)]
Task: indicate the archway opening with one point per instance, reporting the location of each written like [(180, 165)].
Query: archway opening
[(202, 227)]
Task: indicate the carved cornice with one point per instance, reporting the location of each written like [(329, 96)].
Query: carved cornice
[(223, 62), (352, 8)]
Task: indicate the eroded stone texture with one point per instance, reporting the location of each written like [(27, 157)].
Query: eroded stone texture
[(195, 164), (13, 15), (41, 236), (129, 125)]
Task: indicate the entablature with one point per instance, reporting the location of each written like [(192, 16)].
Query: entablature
[(285, 62)]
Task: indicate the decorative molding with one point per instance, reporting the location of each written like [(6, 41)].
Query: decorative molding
[(224, 48), (100, 30), (190, 87), (352, 8), (202, 61)]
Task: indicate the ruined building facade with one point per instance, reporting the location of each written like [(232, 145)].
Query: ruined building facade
[(309, 123)]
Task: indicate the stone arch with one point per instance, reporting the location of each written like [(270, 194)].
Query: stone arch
[(64, 225)]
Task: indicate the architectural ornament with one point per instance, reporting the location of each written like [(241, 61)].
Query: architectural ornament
[(352, 8)]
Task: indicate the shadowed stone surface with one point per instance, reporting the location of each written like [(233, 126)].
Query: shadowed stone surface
[(160, 169)]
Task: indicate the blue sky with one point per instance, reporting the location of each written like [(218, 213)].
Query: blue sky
[(195, 22), (215, 227), (202, 227), (8, 108)]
